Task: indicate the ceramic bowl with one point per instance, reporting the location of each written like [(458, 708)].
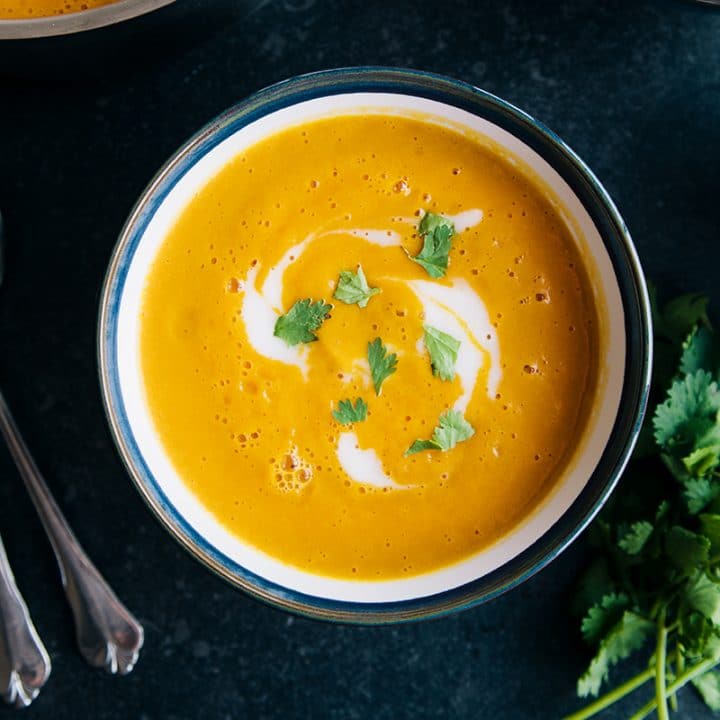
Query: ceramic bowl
[(599, 455), (78, 21)]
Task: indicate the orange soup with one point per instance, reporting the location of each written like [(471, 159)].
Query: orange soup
[(369, 346), (16, 9)]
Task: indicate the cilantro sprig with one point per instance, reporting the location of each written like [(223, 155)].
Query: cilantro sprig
[(352, 287), (654, 583), (346, 413), (301, 321), (443, 349), (436, 232), (382, 364), (452, 428)]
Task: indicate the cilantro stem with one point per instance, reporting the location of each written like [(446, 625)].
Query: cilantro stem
[(683, 680), (660, 662), (612, 697), (679, 666)]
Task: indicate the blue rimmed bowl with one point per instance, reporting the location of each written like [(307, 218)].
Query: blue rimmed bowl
[(601, 451)]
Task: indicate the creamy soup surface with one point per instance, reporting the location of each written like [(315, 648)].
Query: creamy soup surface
[(16, 9), (247, 419)]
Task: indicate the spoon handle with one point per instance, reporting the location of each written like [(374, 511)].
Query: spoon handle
[(107, 634), (24, 662)]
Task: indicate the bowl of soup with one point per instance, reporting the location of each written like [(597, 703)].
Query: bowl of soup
[(374, 345), (42, 18)]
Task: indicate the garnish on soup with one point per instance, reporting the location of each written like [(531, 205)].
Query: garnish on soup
[(271, 430), (443, 349), (382, 364), (452, 428), (353, 288), (347, 413), (301, 322), (436, 232)]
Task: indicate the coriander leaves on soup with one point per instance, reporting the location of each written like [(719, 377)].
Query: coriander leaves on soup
[(382, 364), (443, 349), (452, 428), (346, 413), (436, 232), (352, 287), (301, 321)]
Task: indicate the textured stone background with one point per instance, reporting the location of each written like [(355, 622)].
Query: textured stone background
[(633, 86)]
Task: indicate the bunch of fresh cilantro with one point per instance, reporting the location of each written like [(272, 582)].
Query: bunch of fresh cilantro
[(654, 582)]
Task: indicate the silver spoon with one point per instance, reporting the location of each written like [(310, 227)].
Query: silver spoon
[(107, 634), (24, 662)]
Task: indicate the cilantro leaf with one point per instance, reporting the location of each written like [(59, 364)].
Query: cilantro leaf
[(699, 493), (682, 314), (703, 595), (443, 349), (696, 632), (689, 411), (603, 615), (710, 527), (711, 648), (382, 364), (353, 288), (699, 462), (662, 511), (676, 467), (300, 323), (686, 549), (700, 351), (346, 413), (436, 232), (634, 540), (431, 221), (594, 584), (420, 445), (708, 685), (452, 428), (628, 635)]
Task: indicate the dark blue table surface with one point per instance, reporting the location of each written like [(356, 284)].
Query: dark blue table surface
[(633, 86)]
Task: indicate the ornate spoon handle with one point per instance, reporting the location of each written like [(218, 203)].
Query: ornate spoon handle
[(24, 662), (107, 634)]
